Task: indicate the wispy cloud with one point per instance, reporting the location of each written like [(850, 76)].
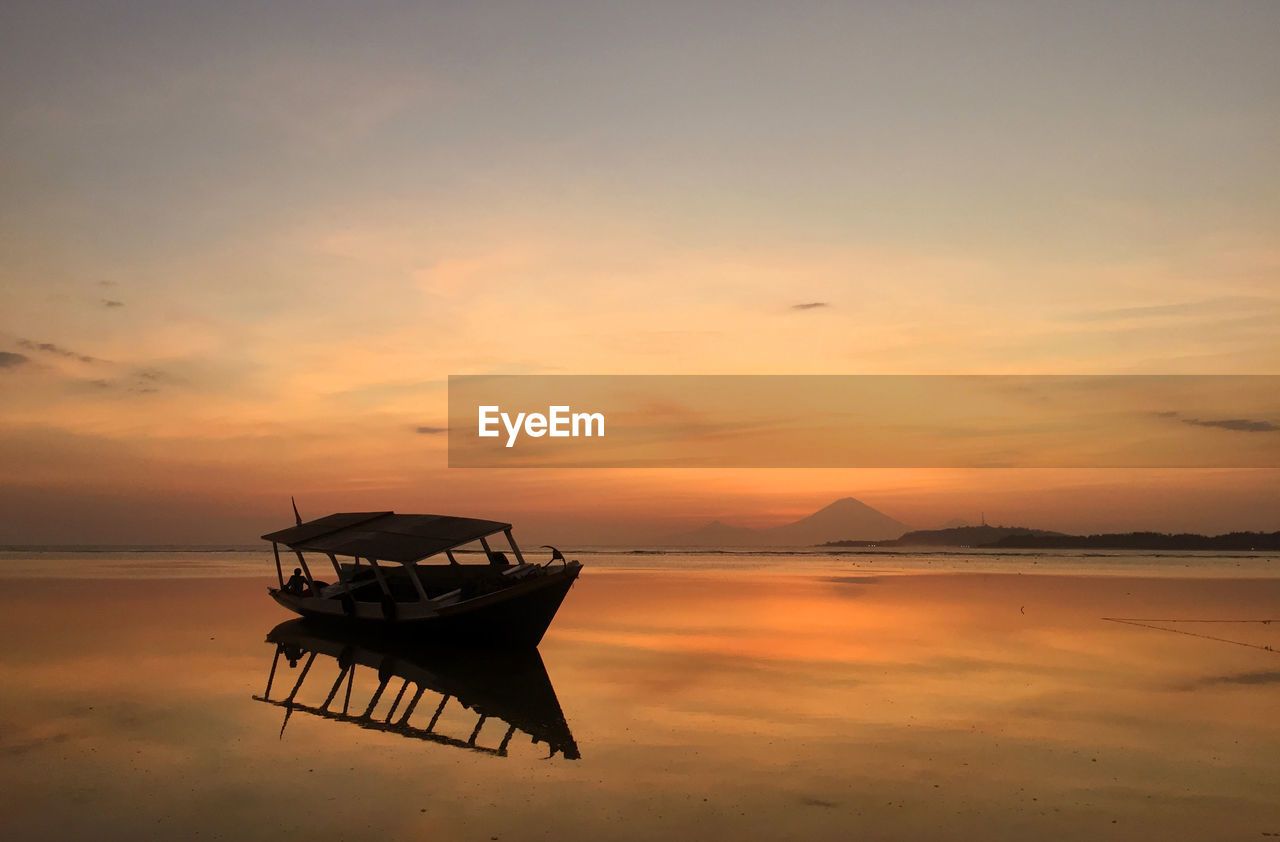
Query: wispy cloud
[(111, 302), (148, 380), (432, 431), (1243, 425), (1203, 307), (1240, 425), (1245, 678), (811, 305), (8, 359), (143, 381), (50, 348)]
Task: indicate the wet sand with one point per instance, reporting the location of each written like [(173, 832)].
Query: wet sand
[(766, 705)]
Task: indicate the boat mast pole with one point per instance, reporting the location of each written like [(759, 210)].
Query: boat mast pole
[(413, 703), (275, 549), (377, 572), (411, 568), (512, 541), (271, 676), (302, 676), (306, 572), (338, 570)]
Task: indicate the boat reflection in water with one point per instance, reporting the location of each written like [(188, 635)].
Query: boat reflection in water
[(402, 681)]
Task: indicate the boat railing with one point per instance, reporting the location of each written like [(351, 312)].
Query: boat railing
[(355, 574)]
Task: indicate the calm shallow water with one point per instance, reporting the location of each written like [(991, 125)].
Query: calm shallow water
[(829, 699), (170, 563)]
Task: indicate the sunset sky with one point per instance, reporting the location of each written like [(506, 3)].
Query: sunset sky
[(242, 248)]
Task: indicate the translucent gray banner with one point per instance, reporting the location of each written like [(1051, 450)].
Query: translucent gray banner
[(864, 421)]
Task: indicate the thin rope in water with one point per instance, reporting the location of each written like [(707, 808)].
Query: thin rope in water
[(1163, 620), (1147, 625)]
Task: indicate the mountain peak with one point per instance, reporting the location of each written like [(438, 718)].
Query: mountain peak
[(844, 519), (846, 502)]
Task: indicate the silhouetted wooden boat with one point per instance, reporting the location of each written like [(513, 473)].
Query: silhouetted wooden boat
[(388, 585), (388, 679)]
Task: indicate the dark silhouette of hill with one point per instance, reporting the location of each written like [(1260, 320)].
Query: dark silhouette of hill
[(1266, 541), (845, 518), (956, 536)]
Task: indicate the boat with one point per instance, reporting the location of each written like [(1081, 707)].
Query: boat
[(442, 695), (404, 575)]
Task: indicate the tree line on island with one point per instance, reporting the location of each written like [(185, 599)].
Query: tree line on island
[(1025, 538)]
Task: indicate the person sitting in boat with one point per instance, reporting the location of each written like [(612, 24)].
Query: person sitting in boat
[(297, 584), (498, 559)]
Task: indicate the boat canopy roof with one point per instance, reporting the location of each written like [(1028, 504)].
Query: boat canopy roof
[(385, 536)]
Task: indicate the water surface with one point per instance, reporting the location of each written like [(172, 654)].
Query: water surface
[(759, 697)]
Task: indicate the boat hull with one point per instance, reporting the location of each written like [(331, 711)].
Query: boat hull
[(516, 616)]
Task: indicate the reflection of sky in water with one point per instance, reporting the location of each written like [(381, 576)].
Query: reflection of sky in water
[(773, 705), (238, 563)]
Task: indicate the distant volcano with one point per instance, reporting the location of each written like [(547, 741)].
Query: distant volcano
[(845, 519)]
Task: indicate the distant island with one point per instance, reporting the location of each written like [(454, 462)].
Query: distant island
[(1026, 538), (1267, 541), (967, 536)]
